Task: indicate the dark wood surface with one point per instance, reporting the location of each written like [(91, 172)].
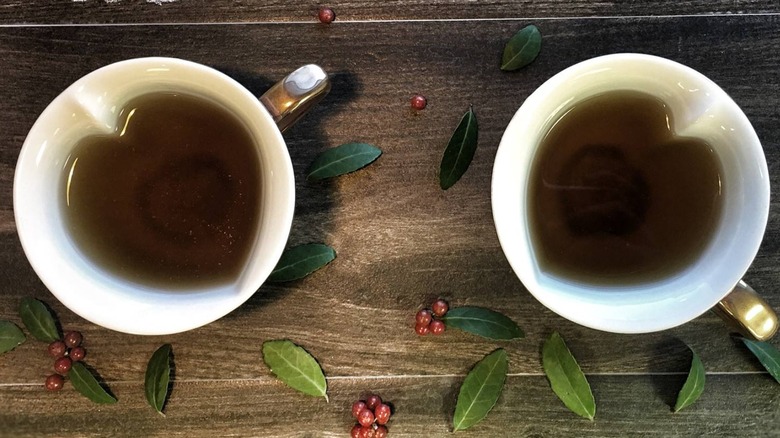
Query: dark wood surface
[(401, 241)]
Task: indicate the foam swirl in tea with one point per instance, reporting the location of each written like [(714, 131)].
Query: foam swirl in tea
[(171, 198), (616, 198)]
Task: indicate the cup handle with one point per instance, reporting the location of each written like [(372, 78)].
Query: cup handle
[(291, 97), (745, 311)]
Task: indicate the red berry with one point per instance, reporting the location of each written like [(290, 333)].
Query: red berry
[(72, 339), (423, 317), (419, 102), (367, 432), (380, 432), (326, 15), (54, 382), (440, 308), (57, 349), (355, 432), (357, 407), (382, 413), (365, 417), (421, 329), (373, 401), (437, 327), (77, 354), (62, 365)]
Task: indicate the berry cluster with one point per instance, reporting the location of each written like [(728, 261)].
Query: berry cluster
[(425, 321), (372, 415), (65, 352)]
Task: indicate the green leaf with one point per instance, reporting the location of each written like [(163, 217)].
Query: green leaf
[(767, 354), (10, 336), (296, 367), (480, 390), (300, 261), (694, 384), (566, 378), (483, 322), (38, 320), (460, 151), (522, 48), (158, 376), (343, 159), (85, 383)]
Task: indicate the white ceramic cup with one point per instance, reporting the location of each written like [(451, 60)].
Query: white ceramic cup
[(90, 107), (701, 109)]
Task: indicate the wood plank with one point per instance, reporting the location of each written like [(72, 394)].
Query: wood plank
[(221, 11)]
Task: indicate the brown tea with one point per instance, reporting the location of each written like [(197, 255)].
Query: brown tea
[(171, 198), (615, 198)]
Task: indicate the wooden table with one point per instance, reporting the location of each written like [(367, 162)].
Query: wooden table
[(401, 240)]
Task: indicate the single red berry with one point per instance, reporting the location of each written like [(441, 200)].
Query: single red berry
[(72, 339), (440, 308), (421, 329), (57, 349), (419, 102), (54, 382), (365, 417), (326, 15), (373, 401), (423, 317), (62, 365), (437, 327), (355, 432), (367, 432), (382, 413), (77, 354), (357, 407), (380, 432)]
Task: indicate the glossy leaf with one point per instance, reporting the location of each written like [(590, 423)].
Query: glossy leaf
[(296, 367), (158, 377), (39, 320), (694, 384), (483, 322), (10, 336), (566, 378), (522, 48), (343, 159), (480, 390), (460, 151), (300, 261), (85, 383), (767, 354)]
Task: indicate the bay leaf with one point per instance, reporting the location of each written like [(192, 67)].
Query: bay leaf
[(694, 384), (296, 367), (10, 336), (767, 354), (460, 150), (343, 159), (158, 377), (480, 390), (522, 48), (566, 378), (483, 322), (39, 320), (86, 384), (300, 261)]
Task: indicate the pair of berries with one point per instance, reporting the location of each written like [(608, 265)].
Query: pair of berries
[(425, 322), (65, 352), (371, 415)]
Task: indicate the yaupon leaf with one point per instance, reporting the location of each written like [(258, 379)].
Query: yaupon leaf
[(158, 377), (566, 378), (343, 159), (85, 383), (300, 261), (38, 320), (10, 336), (460, 150), (480, 390), (483, 322), (296, 367), (694, 384), (767, 354), (522, 48)]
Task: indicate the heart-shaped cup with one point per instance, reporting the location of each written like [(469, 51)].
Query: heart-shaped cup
[(701, 110)]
